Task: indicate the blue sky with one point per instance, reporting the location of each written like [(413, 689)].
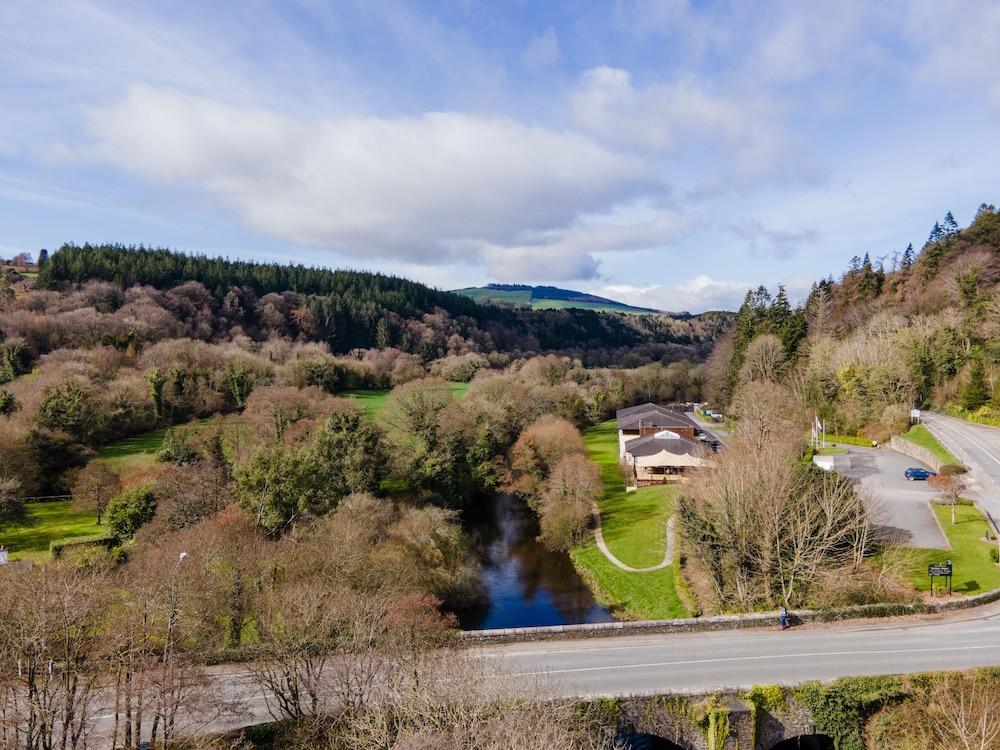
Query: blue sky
[(669, 154)]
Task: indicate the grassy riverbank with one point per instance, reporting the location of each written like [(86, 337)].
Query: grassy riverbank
[(634, 526)]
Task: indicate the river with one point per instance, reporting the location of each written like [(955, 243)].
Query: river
[(526, 584)]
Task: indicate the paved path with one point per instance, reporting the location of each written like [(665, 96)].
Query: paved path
[(625, 665), (716, 430), (978, 447), (901, 508), (668, 552)]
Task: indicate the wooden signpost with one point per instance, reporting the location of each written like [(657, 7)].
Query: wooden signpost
[(940, 570)]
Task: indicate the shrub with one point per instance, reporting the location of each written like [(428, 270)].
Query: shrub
[(994, 554), (11, 504), (58, 546), (177, 448), (849, 440), (948, 470), (130, 510), (8, 404)]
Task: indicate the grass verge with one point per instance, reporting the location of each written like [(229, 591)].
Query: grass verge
[(920, 435), (634, 525), (973, 569), (44, 523)]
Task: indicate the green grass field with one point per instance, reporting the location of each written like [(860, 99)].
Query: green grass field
[(634, 526), (510, 296), (564, 304), (134, 451), (973, 569), (45, 522), (920, 435), (373, 402)]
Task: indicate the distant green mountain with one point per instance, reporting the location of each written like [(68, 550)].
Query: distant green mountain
[(548, 298)]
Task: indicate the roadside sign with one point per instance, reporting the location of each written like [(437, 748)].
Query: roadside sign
[(940, 570), (915, 414)]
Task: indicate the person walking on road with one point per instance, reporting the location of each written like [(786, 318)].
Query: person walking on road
[(783, 618)]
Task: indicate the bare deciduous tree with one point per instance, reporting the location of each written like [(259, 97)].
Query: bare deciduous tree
[(567, 501), (94, 487)]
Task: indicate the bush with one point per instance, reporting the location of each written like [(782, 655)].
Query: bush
[(130, 510), (177, 448), (8, 404), (58, 546), (948, 470), (11, 504), (849, 440), (994, 554)]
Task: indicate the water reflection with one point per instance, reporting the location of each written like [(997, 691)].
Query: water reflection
[(525, 583)]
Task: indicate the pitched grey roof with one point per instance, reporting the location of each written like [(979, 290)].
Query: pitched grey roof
[(650, 445), (651, 415)]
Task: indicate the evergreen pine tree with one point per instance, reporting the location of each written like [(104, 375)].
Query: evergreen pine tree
[(907, 262), (975, 392), (950, 225), (937, 233)]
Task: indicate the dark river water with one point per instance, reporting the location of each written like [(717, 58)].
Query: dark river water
[(526, 584)]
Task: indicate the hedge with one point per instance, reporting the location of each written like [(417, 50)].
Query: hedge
[(58, 546), (850, 440)]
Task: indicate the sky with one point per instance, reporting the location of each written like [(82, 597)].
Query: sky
[(668, 154)]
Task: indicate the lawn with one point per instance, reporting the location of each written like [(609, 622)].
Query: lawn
[(920, 435), (45, 522), (973, 569), (139, 450), (372, 402), (832, 450), (634, 526)]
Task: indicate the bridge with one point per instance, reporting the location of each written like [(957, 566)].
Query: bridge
[(708, 723)]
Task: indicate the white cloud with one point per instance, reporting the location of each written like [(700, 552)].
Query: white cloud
[(692, 295), (568, 253), (958, 45), (542, 52), (777, 243), (427, 187), (743, 134), (696, 294)]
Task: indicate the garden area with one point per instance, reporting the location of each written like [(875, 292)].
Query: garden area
[(634, 525), (971, 554)]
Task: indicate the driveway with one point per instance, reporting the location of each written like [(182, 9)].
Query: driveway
[(899, 507)]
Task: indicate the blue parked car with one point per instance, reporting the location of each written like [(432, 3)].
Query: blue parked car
[(915, 474)]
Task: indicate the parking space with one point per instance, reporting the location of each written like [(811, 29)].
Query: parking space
[(900, 507)]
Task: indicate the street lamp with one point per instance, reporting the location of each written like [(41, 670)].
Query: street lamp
[(172, 618)]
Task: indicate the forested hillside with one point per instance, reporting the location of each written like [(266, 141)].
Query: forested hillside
[(908, 328), (350, 309)]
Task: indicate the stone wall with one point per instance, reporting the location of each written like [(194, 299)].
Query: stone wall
[(684, 721), (719, 622), (901, 445)]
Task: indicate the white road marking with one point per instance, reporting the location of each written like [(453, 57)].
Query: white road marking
[(722, 660)]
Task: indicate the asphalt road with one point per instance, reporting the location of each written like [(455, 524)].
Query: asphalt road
[(900, 508), (699, 662), (978, 447)]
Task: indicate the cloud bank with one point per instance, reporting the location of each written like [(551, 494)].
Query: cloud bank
[(435, 187)]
